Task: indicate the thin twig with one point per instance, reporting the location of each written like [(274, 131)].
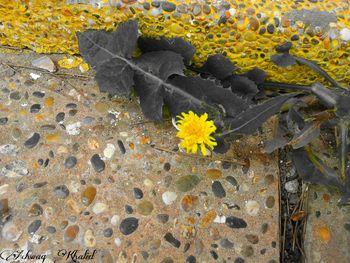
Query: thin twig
[(13, 48), (198, 157), (47, 72)]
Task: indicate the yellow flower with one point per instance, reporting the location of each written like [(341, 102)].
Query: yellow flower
[(195, 131)]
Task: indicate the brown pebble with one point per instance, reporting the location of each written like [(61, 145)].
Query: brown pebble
[(88, 195), (188, 202), (213, 173), (71, 233)]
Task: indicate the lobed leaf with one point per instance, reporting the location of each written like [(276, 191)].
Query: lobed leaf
[(150, 90), (177, 45), (206, 91), (250, 120), (219, 66)]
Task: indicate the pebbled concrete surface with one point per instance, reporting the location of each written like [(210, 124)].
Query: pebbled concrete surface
[(73, 186)]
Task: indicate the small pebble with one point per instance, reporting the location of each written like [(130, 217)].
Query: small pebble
[(35, 108), (109, 151), (34, 226), (60, 116), (292, 186), (51, 229), (121, 147), (235, 222), (169, 197), (168, 6), (187, 183), (218, 189), (70, 162), (99, 208), (172, 240), (3, 120), (32, 141), (138, 194), (108, 232), (97, 163), (38, 94), (252, 207), (71, 233), (162, 218), (61, 191), (89, 238), (129, 225), (226, 243), (191, 259), (145, 208)]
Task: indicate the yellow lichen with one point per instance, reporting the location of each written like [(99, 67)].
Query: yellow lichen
[(50, 26)]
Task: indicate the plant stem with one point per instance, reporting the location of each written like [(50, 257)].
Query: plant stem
[(280, 85), (343, 144)]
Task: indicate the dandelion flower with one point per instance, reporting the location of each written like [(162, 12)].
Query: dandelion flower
[(195, 132)]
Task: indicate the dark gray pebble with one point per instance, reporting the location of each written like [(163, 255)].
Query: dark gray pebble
[(47, 127), (61, 191), (108, 232), (121, 147), (169, 7), (138, 194), (72, 112), (38, 94), (128, 209), (71, 106), (32, 141), (162, 218), (51, 229), (167, 166), (155, 3), (35, 108), (226, 243), (3, 120), (239, 260), (129, 225), (172, 240), (60, 116), (214, 254), (191, 259), (232, 181), (20, 187), (34, 226), (39, 185), (144, 254), (235, 222), (15, 95), (98, 164), (70, 162), (218, 189)]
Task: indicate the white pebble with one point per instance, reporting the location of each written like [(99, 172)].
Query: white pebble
[(252, 207), (115, 220), (74, 128), (34, 76), (109, 151), (169, 197), (345, 34), (99, 208), (117, 241), (220, 219)]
